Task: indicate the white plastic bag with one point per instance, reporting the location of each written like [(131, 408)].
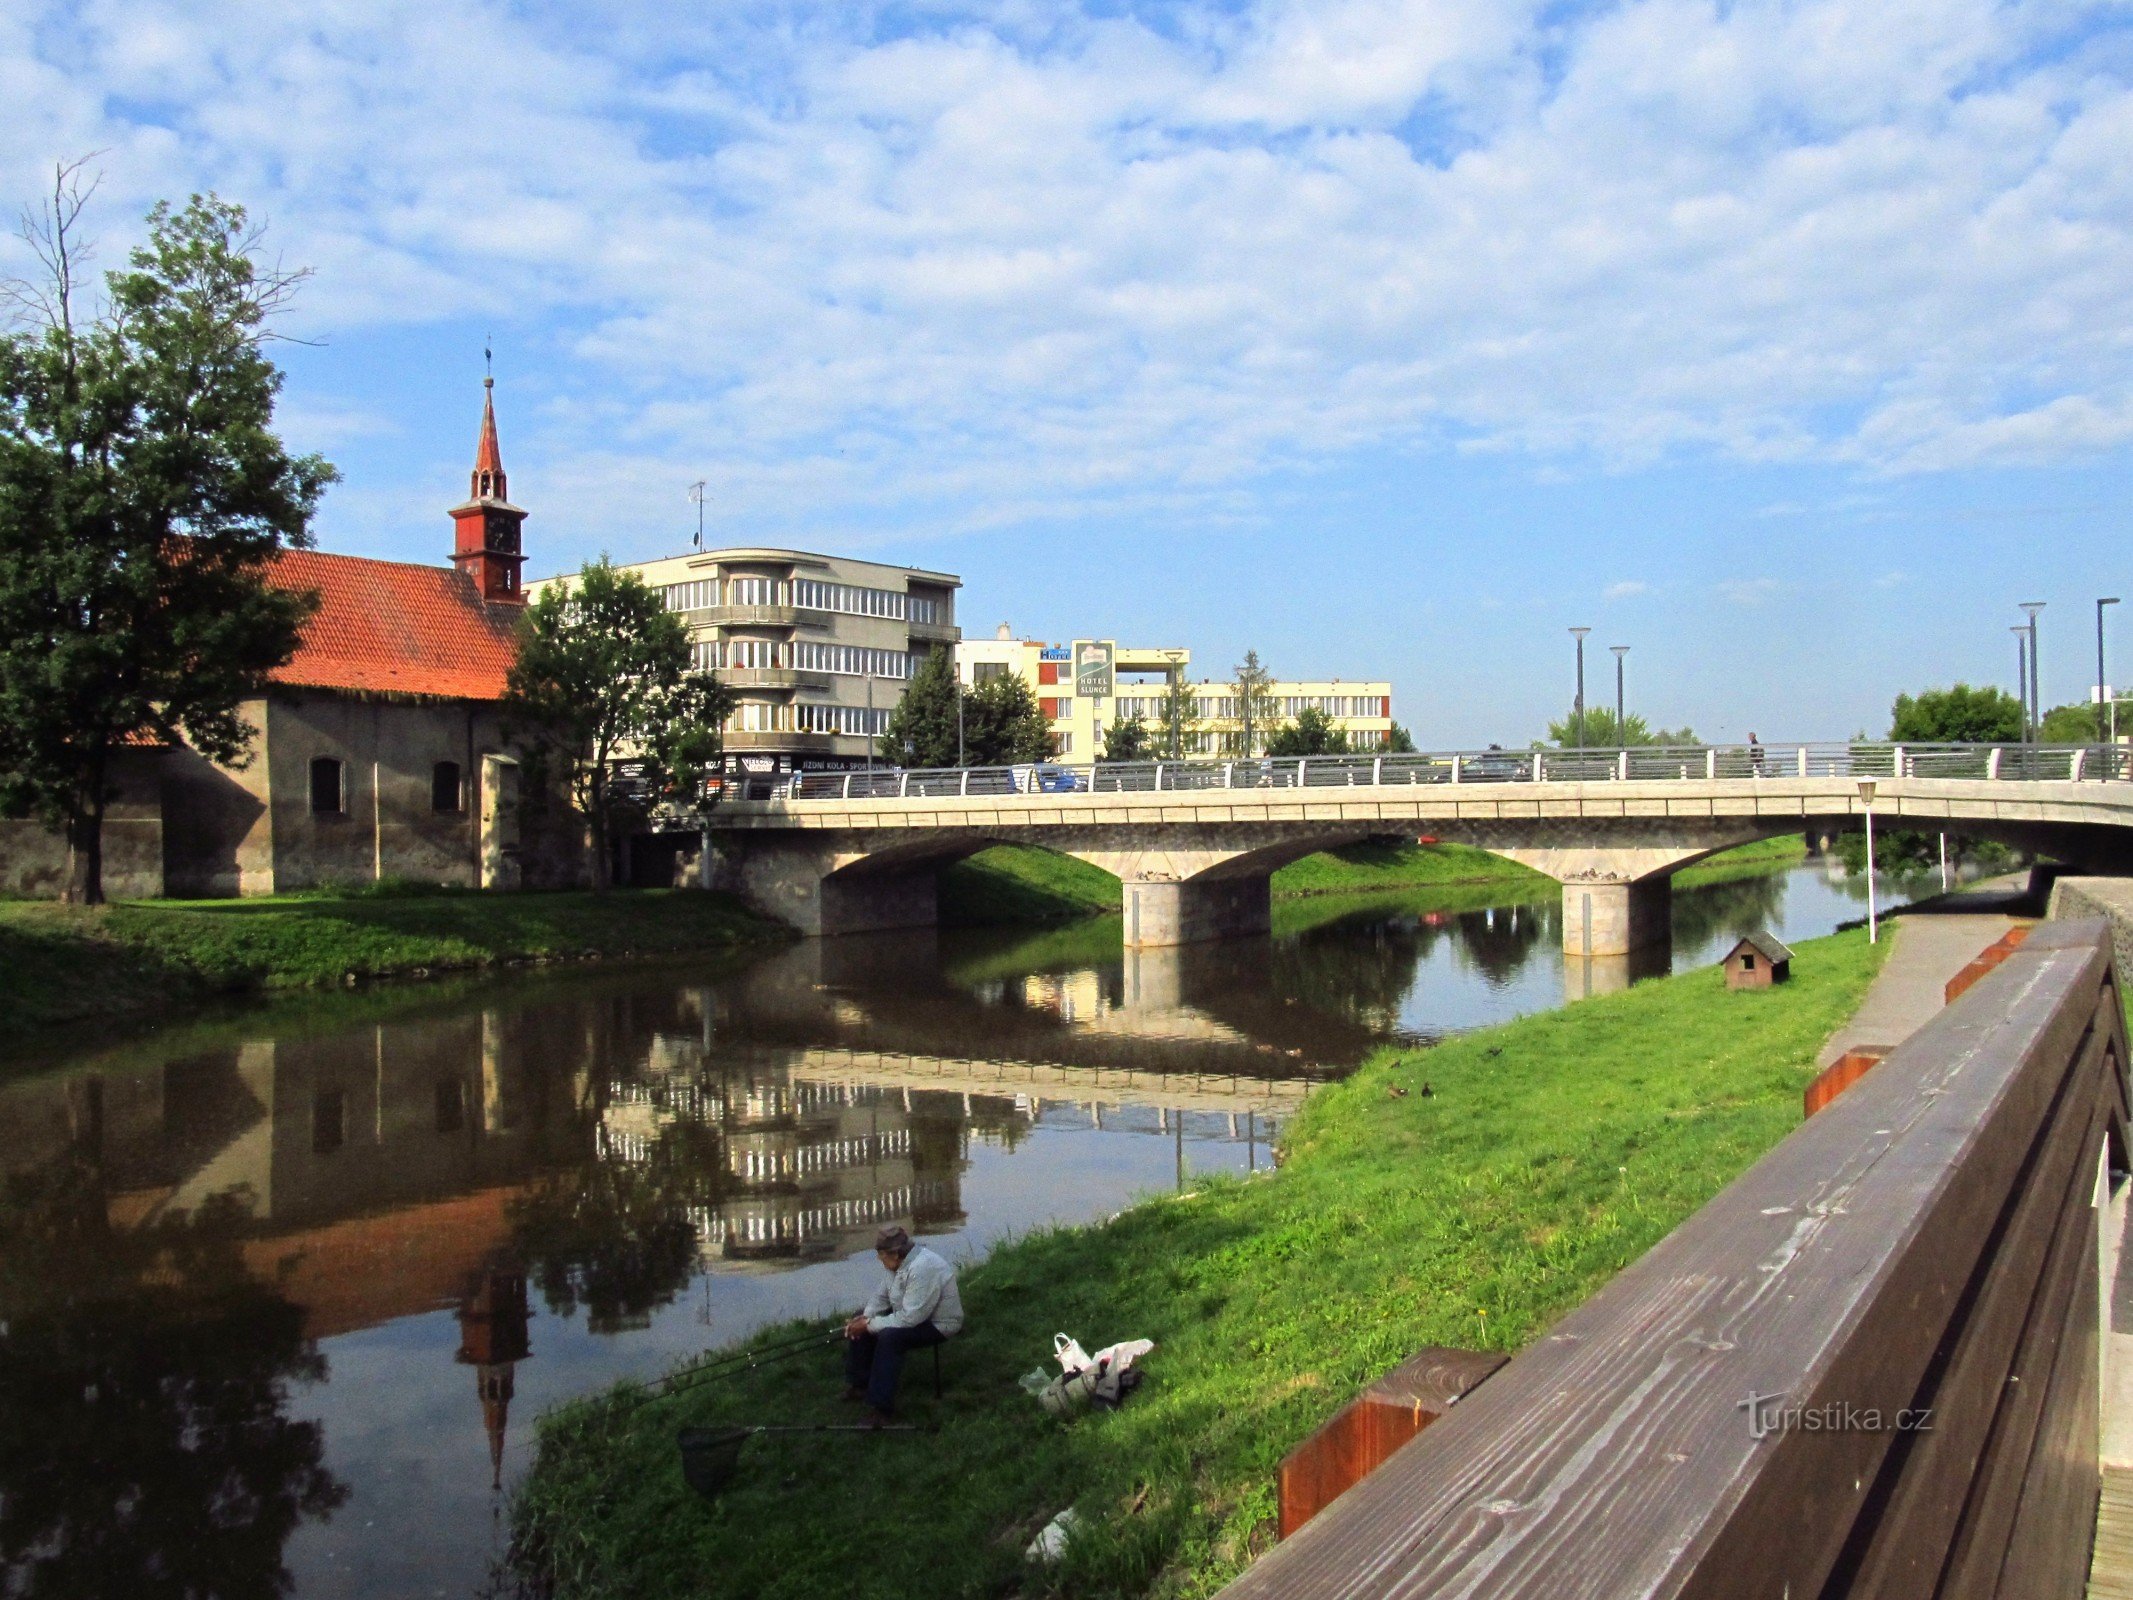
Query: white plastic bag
[(1072, 1358)]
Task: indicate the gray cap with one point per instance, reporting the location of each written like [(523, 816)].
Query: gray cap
[(892, 1238)]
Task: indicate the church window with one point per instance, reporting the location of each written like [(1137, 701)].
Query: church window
[(444, 787), (327, 796)]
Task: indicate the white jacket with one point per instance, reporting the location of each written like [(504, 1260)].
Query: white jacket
[(922, 1287)]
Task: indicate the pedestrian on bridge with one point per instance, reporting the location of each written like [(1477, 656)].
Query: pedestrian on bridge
[(917, 1305)]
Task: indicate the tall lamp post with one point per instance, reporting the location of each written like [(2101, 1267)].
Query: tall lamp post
[(1873, 921), (2022, 674), (2036, 674), (1621, 719), (957, 668), (2103, 684), (1578, 706)]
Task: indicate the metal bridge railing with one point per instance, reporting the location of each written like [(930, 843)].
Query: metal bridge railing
[(1636, 764)]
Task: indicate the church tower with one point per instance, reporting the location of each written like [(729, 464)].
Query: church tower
[(486, 546)]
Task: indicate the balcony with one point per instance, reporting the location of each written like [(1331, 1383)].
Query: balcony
[(935, 632), (773, 678), (800, 743), (766, 616)]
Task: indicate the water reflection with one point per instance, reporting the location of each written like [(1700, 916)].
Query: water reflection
[(252, 1272)]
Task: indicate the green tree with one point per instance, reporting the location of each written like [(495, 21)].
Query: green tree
[(1399, 742), (143, 497), (1602, 734), (1957, 715), (1313, 733), (605, 673), (1257, 713), (921, 730), (1130, 740), (2083, 722), (1181, 717), (1003, 724)]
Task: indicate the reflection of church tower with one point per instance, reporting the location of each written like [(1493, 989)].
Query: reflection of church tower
[(493, 1339)]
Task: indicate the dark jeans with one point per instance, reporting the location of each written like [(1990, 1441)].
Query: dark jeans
[(875, 1361)]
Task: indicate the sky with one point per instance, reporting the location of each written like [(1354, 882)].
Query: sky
[(1788, 344)]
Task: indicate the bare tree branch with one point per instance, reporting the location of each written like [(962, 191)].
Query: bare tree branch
[(49, 231)]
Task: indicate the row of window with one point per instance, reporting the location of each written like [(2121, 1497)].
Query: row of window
[(806, 655), (754, 716), (329, 787), (812, 594)]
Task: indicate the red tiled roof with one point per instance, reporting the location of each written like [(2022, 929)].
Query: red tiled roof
[(392, 627)]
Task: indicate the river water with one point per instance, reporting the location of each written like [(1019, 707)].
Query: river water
[(281, 1294)]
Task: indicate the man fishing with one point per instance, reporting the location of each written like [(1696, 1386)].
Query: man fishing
[(916, 1306)]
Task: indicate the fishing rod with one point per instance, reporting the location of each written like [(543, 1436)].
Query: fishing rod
[(717, 1367)]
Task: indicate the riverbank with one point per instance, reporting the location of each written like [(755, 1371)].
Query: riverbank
[(1012, 883), (1465, 1195), (71, 964)]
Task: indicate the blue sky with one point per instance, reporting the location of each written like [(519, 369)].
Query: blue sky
[(1790, 344)]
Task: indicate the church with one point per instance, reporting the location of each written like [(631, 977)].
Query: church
[(379, 748)]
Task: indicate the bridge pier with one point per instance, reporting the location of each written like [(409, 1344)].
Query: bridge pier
[(1615, 919), (1185, 911)]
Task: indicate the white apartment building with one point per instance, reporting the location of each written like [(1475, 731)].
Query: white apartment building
[(1093, 684), (818, 648)]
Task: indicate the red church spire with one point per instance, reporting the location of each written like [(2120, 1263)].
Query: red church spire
[(486, 542)]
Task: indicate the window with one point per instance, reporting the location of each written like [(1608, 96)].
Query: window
[(327, 797), (444, 787), (986, 671), (451, 1105), (1747, 962), (329, 1118)]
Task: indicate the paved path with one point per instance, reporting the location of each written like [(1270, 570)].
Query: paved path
[(1934, 941)]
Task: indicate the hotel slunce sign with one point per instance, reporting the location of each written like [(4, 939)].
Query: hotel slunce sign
[(1095, 661)]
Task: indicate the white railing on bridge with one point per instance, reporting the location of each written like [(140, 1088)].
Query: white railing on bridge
[(1636, 764)]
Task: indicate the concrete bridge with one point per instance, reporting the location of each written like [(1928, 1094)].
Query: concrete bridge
[(1194, 843)]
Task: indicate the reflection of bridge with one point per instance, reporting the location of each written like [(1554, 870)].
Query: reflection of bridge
[(1170, 1091), (1195, 843)]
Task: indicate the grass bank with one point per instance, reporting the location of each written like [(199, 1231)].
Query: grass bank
[(65, 964), (1012, 883), (1464, 1195)]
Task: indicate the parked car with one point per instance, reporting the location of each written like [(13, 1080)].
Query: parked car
[(1044, 778), (1496, 765)]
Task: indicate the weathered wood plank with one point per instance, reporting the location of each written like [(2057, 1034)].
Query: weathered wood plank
[(1614, 1457)]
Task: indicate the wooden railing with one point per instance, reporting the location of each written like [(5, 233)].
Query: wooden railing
[(1868, 1367)]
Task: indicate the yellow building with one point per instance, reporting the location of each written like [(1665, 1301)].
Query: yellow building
[(1094, 684)]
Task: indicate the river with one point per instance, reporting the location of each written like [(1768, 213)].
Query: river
[(280, 1294)]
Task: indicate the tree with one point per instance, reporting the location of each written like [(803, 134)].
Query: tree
[(2083, 722), (921, 730), (605, 672), (1399, 742), (1313, 733), (1256, 711), (1602, 734), (1181, 717), (1958, 715), (1130, 740), (1003, 724), (143, 498)]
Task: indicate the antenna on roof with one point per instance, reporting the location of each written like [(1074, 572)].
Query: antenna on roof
[(696, 498)]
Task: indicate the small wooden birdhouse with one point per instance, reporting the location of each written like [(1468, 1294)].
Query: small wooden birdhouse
[(1757, 962)]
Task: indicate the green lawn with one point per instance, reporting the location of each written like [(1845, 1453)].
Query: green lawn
[(63, 964), (1464, 1195), (1013, 883)]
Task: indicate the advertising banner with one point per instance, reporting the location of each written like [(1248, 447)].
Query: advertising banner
[(1095, 663)]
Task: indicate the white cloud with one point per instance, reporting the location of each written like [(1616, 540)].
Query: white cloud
[(1749, 591), (1627, 589), (1027, 265)]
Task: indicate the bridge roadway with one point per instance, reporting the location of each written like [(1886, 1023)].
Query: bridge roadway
[(1194, 843)]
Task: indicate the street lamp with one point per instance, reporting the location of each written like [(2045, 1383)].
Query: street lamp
[(957, 667), (2036, 673), (2103, 686), (1578, 707), (1621, 721), (1873, 921), (2022, 674)]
